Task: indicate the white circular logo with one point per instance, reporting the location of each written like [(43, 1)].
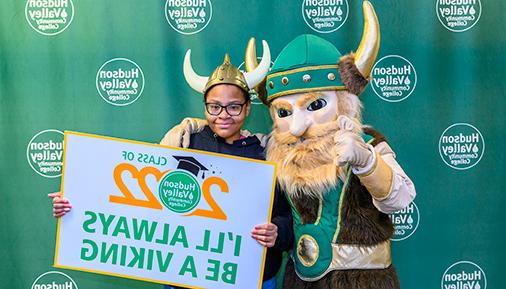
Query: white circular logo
[(252, 93), (188, 16), (120, 81), (461, 146), (464, 275), (45, 153), (54, 279), (325, 16), (458, 15), (405, 222), (393, 78), (49, 17)]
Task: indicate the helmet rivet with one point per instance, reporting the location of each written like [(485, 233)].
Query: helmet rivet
[(331, 76), (271, 84), (306, 78), (284, 80)]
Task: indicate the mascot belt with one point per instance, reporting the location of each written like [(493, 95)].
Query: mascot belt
[(316, 251)]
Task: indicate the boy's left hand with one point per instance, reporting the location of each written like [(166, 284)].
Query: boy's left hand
[(265, 234)]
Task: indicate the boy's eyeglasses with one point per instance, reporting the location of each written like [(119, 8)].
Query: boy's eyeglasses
[(233, 109)]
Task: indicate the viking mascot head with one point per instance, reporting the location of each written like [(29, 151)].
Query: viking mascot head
[(308, 88)]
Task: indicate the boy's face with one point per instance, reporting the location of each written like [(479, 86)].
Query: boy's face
[(225, 125)]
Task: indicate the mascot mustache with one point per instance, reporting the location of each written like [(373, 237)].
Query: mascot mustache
[(314, 133)]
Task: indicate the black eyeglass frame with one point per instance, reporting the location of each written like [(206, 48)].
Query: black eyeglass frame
[(224, 107)]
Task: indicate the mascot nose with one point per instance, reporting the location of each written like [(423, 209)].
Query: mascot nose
[(299, 125)]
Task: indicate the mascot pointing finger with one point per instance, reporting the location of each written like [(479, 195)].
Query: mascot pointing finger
[(340, 177)]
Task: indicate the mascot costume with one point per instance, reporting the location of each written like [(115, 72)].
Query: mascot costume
[(340, 177)]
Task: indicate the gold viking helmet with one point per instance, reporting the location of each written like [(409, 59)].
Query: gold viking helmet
[(227, 73), (354, 68)]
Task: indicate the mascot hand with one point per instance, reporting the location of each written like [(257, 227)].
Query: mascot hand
[(350, 146), (179, 136)]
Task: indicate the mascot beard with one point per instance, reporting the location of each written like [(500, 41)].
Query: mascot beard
[(301, 158)]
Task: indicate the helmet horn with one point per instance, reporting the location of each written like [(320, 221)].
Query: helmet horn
[(256, 74), (195, 81), (369, 45)]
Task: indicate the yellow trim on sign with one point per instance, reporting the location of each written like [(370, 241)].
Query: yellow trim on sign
[(61, 194), (269, 217), (66, 133), (125, 276)]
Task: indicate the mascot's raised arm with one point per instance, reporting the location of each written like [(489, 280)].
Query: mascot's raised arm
[(340, 177)]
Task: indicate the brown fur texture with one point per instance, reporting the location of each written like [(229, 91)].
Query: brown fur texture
[(378, 137), (354, 81), (308, 209), (261, 91), (345, 279), (361, 222)]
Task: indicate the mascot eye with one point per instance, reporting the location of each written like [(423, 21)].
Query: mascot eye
[(283, 112), (317, 104)]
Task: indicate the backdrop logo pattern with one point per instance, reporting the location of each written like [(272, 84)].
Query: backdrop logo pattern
[(458, 15), (461, 146), (464, 275), (325, 16), (188, 16), (405, 222), (45, 153), (54, 280), (394, 78), (120, 81), (49, 17)]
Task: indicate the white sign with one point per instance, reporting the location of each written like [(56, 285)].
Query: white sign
[(161, 214)]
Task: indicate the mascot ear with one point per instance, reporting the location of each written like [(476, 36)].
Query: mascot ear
[(350, 75), (355, 68)]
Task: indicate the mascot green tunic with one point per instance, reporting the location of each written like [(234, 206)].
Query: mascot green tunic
[(340, 176)]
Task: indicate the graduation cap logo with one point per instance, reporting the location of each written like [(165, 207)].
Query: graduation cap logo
[(190, 164)]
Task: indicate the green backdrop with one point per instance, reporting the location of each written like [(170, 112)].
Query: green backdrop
[(51, 53)]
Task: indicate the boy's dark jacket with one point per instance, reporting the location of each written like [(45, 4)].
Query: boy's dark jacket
[(250, 147)]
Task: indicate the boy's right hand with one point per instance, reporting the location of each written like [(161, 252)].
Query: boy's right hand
[(60, 205)]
